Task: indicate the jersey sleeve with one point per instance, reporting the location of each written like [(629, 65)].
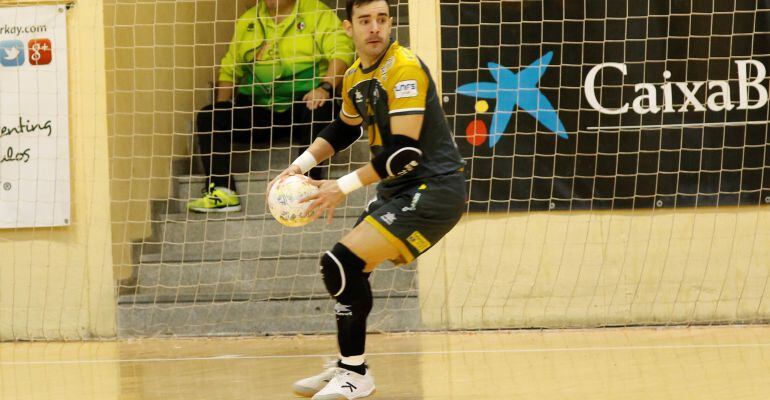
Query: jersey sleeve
[(407, 90), (348, 107), (227, 66), (230, 66)]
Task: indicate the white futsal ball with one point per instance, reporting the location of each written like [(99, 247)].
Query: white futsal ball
[(283, 200)]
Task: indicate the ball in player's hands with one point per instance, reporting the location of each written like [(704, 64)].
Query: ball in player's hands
[(283, 200)]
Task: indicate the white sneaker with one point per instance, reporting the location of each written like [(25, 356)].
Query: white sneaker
[(309, 386), (347, 385)]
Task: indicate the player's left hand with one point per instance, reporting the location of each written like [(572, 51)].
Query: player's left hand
[(315, 98), (326, 199), (292, 169)]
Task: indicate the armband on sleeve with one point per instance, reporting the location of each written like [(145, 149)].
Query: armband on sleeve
[(401, 156), (341, 135)]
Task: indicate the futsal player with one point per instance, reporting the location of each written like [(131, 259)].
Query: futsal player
[(388, 94)]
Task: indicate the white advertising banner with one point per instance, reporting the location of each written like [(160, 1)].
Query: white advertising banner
[(34, 131)]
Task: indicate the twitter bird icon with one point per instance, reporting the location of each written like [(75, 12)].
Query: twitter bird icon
[(11, 53)]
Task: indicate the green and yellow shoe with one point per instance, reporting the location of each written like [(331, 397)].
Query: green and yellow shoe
[(216, 199)]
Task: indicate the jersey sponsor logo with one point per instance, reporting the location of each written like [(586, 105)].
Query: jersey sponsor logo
[(386, 66), (412, 206), (408, 168), (265, 51), (406, 89), (418, 241), (388, 218)]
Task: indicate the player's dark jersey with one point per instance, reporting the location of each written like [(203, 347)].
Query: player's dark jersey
[(400, 84)]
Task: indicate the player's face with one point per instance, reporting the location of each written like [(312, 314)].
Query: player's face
[(370, 29)]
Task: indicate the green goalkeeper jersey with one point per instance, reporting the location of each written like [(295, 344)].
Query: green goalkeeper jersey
[(277, 63)]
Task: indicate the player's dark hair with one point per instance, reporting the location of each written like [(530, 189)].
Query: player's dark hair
[(352, 3)]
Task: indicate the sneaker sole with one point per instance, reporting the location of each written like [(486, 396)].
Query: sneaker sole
[(303, 391), (341, 397), (306, 395), (221, 209)]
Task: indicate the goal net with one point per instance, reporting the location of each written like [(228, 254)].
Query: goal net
[(187, 273), (617, 170), (617, 165), (617, 162)]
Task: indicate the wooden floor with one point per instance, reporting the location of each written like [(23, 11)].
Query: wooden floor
[(668, 363)]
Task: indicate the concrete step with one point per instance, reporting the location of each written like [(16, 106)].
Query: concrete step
[(233, 238), (245, 317), (255, 279), (243, 272), (276, 158), (217, 227)]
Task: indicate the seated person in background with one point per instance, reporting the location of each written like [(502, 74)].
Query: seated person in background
[(277, 80)]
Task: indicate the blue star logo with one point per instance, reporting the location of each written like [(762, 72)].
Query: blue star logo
[(511, 89)]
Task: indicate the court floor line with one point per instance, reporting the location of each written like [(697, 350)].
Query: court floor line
[(230, 357)]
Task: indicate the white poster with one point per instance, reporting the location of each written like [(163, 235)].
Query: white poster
[(34, 133)]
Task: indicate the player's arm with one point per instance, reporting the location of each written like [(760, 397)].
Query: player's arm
[(223, 91), (336, 137), (318, 96), (229, 71), (406, 102), (399, 157), (335, 46)]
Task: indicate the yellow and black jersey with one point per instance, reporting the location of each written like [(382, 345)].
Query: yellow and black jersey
[(400, 84)]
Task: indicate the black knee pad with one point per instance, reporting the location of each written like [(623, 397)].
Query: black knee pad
[(345, 279), (343, 272)]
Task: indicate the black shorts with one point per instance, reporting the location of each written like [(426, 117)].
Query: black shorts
[(414, 218)]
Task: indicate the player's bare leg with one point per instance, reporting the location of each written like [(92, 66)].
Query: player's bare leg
[(370, 245)]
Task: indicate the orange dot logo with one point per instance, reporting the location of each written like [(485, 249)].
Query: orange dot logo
[(476, 132)]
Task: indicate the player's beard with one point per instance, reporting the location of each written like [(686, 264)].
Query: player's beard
[(374, 50)]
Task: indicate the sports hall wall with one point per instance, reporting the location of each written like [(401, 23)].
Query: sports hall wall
[(57, 283), (160, 59)]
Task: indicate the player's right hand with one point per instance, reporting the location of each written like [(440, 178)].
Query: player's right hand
[(292, 169), (328, 197)]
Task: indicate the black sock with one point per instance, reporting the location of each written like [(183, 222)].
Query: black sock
[(351, 310), (359, 369)]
